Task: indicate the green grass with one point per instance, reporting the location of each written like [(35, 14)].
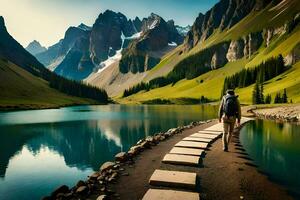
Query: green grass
[(210, 87), (254, 22), (282, 45), (21, 90), (289, 80), (213, 81)]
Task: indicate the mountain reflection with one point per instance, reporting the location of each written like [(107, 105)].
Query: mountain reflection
[(101, 133)]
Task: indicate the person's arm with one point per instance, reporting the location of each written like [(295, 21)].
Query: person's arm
[(239, 113), (221, 109)]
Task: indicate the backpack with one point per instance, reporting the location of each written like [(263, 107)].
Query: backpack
[(230, 106)]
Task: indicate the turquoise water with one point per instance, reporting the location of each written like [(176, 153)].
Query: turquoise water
[(275, 148), (43, 149)]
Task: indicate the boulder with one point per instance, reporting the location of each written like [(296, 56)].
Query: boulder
[(122, 156), (102, 197), (146, 144), (94, 176), (107, 166), (82, 190), (80, 183)]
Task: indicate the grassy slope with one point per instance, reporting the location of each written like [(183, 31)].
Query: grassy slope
[(275, 17), (20, 89), (213, 81), (289, 80), (254, 22), (210, 88)]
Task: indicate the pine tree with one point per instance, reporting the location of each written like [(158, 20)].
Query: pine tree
[(268, 99), (278, 98), (256, 94), (284, 97), (261, 93)]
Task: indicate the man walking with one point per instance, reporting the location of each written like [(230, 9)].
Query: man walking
[(229, 113)]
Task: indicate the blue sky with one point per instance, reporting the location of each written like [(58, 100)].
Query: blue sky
[(47, 20)]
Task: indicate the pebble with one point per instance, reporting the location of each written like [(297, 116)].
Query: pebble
[(125, 174), (102, 197)]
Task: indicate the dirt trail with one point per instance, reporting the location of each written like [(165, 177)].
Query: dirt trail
[(224, 175)]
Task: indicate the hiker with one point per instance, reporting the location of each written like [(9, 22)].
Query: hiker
[(229, 113)]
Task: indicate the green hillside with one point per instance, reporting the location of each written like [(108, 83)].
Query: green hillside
[(210, 84), (255, 21), (20, 89)]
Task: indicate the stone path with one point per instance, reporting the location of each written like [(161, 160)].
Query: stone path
[(173, 179), (180, 159), (158, 194), (186, 152)]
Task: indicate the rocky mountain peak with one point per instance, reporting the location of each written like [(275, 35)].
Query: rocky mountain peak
[(84, 27), (157, 36), (35, 48), (225, 14), (71, 36)]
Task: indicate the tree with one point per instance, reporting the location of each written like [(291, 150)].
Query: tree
[(261, 93), (277, 98), (203, 99), (284, 97), (256, 94), (268, 99)]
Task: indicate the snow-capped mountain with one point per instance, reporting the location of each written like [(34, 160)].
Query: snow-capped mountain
[(85, 49), (183, 30)]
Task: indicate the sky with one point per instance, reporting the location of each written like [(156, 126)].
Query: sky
[(47, 20)]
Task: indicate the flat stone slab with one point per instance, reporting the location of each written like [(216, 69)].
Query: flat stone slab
[(159, 194), (211, 132), (198, 139), (203, 135), (173, 179), (191, 144), (187, 151), (178, 159), (217, 127)]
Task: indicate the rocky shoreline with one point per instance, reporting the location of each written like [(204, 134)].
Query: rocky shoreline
[(98, 182), (289, 113)]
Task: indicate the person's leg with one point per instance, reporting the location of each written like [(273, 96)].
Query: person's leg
[(225, 134), (230, 132)]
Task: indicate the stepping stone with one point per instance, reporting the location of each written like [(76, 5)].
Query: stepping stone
[(187, 151), (203, 135), (195, 139), (217, 127), (178, 159), (210, 132), (154, 194), (173, 179), (190, 144)]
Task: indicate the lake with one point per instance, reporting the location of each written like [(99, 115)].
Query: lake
[(275, 148), (43, 149)]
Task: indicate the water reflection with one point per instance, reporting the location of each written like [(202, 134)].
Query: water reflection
[(275, 149), (67, 144)]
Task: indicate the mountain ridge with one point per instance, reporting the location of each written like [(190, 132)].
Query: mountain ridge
[(111, 33), (251, 41), (26, 83)]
